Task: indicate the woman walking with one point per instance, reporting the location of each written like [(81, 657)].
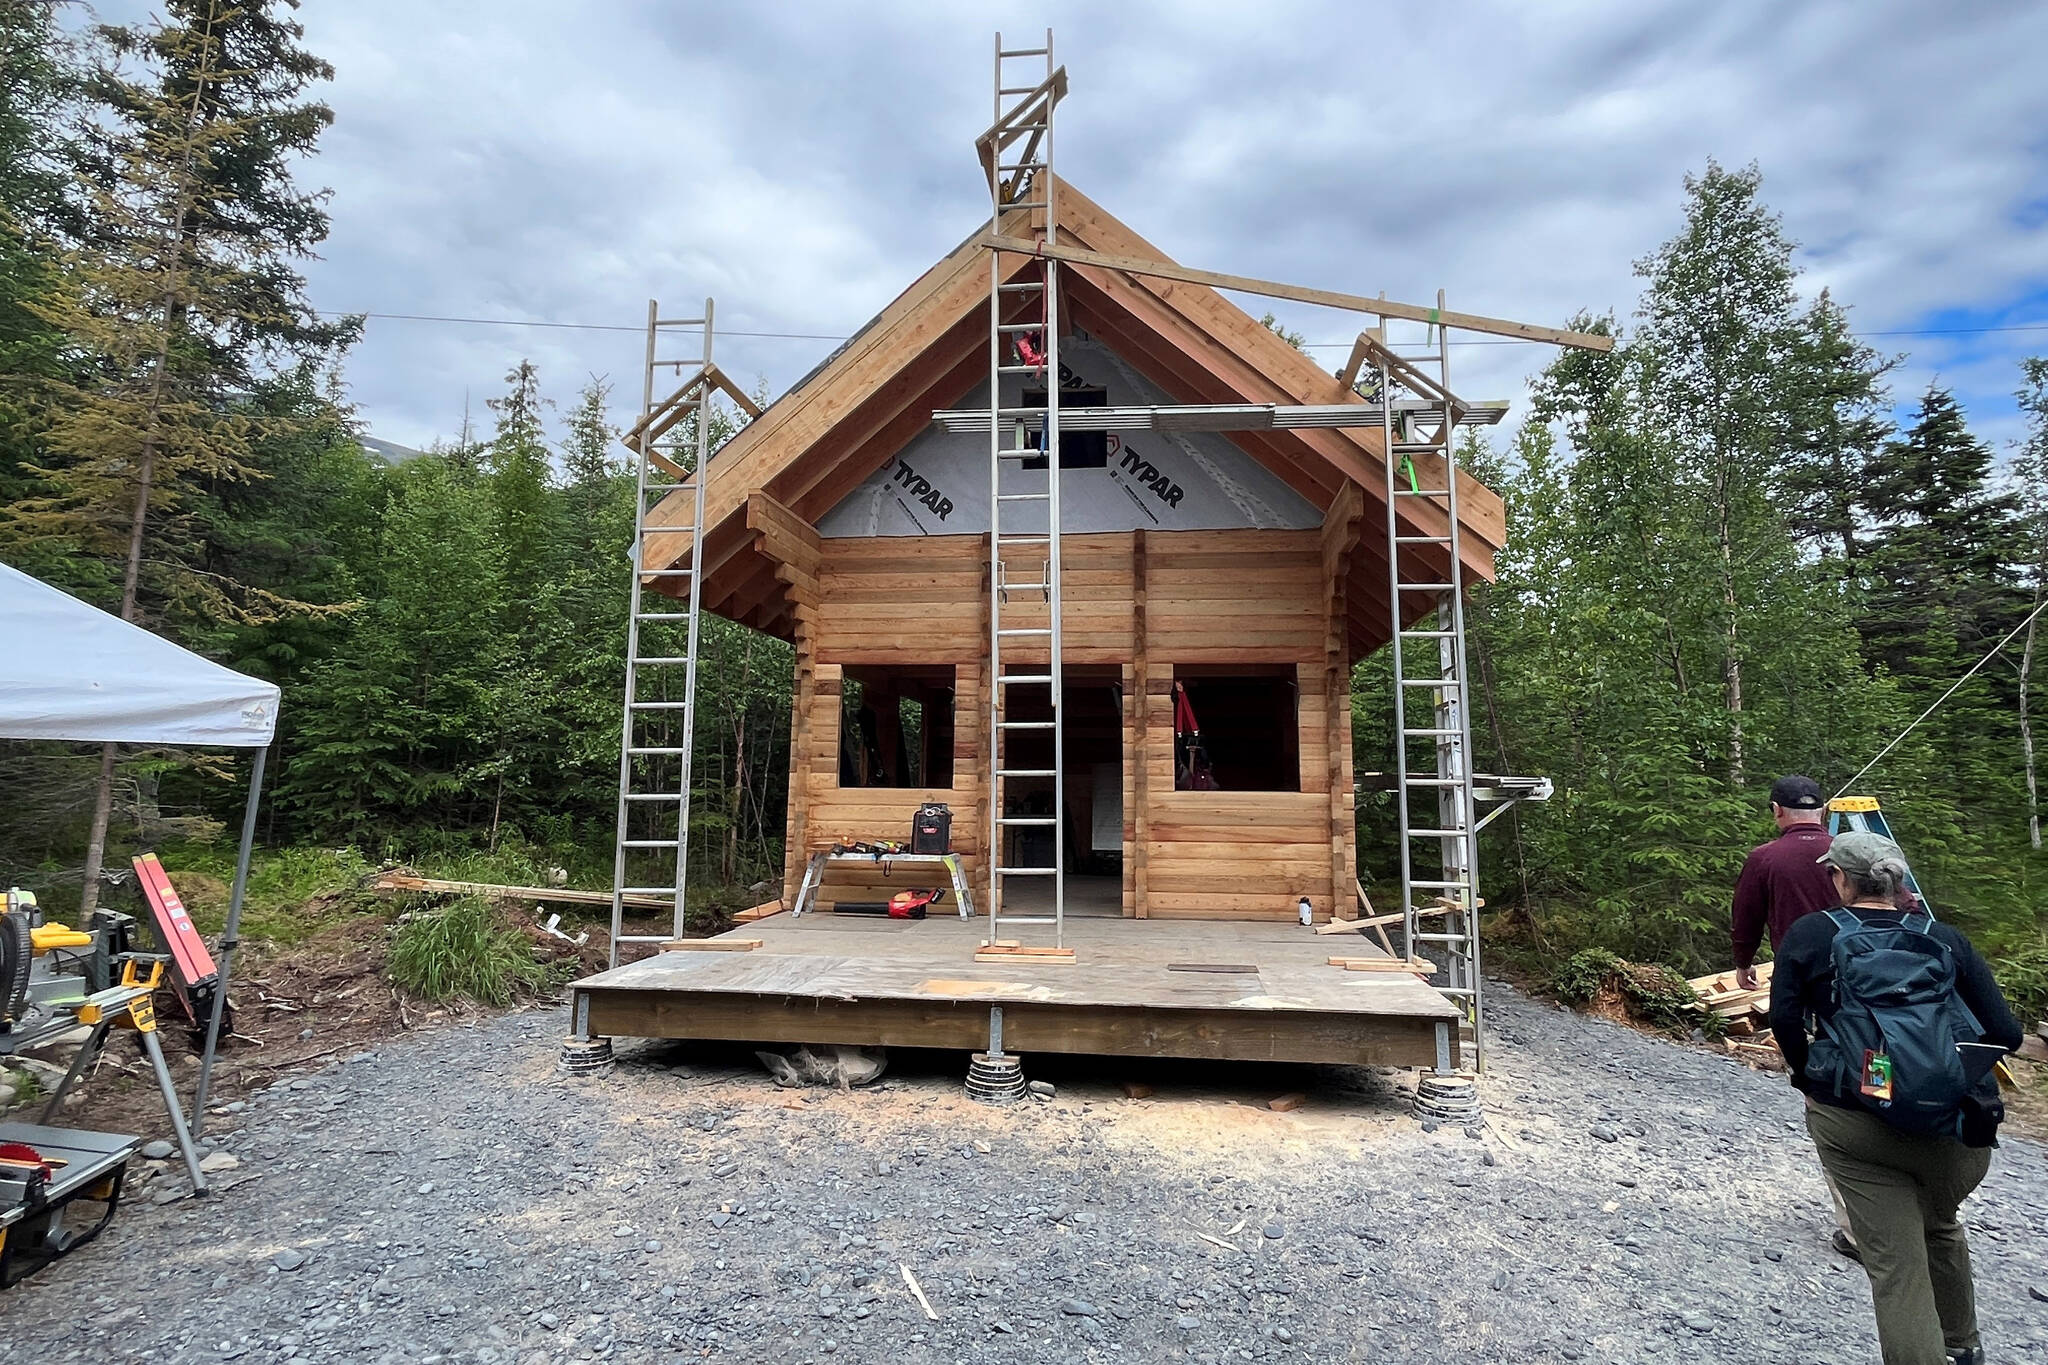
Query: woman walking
[(1900, 1100)]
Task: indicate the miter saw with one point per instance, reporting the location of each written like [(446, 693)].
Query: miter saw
[(57, 981)]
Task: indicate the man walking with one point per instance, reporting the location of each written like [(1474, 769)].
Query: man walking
[(1782, 881)]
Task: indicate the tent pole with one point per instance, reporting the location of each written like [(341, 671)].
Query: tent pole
[(228, 938)]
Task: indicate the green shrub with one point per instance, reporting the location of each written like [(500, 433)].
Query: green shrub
[(1647, 991), (1583, 975), (464, 951)]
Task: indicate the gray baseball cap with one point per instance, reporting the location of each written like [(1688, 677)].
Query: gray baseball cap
[(1857, 851)]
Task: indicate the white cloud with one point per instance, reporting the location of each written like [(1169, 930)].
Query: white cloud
[(804, 162)]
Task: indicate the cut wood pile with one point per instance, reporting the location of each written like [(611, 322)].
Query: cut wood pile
[(1745, 1015), (1744, 1011), (2034, 1047)]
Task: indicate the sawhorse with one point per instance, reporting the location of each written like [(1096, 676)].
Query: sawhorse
[(814, 874), (126, 1003)]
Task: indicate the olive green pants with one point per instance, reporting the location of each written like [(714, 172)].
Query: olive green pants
[(1901, 1192)]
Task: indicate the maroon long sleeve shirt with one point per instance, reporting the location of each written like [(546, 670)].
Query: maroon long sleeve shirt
[(1781, 882)]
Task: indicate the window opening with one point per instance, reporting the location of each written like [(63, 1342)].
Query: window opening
[(1236, 731), (896, 726)]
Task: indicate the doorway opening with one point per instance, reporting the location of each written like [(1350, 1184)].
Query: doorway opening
[(1093, 761)]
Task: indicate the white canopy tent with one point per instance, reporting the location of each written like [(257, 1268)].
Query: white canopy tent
[(69, 671)]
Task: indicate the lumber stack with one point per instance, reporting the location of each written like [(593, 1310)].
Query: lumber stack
[(1744, 1011), (2034, 1047)]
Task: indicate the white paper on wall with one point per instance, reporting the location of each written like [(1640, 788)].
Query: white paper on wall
[(937, 485)]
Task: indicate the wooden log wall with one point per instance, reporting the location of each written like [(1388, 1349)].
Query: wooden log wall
[(1145, 603)]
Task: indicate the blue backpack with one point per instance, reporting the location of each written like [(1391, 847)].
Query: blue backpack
[(1902, 1043)]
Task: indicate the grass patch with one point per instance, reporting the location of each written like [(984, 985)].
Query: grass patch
[(464, 951), (292, 894), (28, 1086)]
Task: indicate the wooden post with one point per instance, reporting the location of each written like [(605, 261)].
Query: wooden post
[(1137, 790), (794, 830), (1341, 529)]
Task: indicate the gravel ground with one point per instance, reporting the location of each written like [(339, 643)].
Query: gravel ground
[(450, 1198)]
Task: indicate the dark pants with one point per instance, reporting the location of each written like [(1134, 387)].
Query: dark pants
[(1902, 1192)]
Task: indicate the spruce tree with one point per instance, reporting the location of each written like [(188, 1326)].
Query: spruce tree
[(2030, 481), (519, 488), (590, 457), (1942, 538), (1835, 425), (39, 83), (398, 728), (184, 293)]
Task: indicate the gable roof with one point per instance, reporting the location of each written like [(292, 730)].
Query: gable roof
[(928, 349)]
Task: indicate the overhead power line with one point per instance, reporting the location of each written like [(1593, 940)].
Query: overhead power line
[(841, 336), (564, 326)]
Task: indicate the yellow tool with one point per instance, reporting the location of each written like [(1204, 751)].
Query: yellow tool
[(44, 937)]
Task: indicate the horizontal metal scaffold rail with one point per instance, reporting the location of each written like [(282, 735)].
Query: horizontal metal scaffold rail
[(1211, 417)]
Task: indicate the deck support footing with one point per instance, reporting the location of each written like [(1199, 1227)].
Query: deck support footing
[(995, 1078), (1447, 1097), (585, 1056)]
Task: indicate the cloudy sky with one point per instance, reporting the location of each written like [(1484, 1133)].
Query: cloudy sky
[(802, 162)]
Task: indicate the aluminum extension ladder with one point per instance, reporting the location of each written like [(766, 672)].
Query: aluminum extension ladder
[(1024, 343), (659, 721), (1426, 587)]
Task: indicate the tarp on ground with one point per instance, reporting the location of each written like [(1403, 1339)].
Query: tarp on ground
[(71, 671)]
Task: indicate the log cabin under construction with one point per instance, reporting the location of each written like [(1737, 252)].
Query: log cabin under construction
[(1217, 564)]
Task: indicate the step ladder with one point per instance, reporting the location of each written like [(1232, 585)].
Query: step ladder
[(672, 445), (1863, 815), (1024, 497), (1432, 699)]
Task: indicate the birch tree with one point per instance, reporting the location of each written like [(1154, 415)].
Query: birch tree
[(1718, 331), (2030, 478)]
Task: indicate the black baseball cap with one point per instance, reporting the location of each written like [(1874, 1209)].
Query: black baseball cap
[(1797, 793)]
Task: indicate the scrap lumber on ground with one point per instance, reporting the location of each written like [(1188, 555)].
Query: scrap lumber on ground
[(1763, 1055), (405, 881)]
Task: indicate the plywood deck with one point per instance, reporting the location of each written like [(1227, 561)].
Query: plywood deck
[(894, 983)]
